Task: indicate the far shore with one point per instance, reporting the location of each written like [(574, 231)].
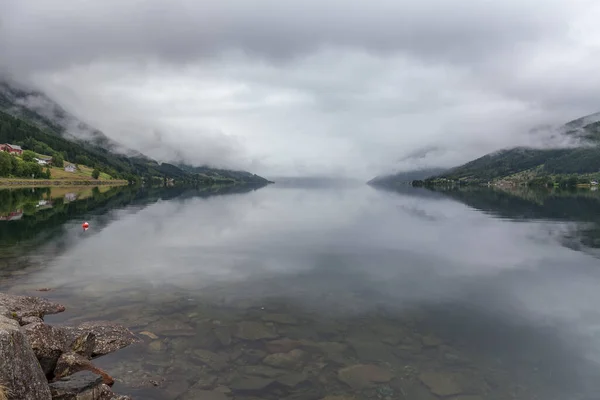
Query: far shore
[(4, 182)]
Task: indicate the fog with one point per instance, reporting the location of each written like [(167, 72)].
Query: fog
[(320, 88)]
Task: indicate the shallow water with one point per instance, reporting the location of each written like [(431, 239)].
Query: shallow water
[(299, 292)]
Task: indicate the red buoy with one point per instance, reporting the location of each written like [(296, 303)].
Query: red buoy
[(85, 225)]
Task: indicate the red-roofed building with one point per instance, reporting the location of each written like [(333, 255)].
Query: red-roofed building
[(11, 148)]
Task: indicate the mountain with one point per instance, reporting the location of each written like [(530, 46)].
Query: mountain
[(579, 160), (406, 176), (27, 113)]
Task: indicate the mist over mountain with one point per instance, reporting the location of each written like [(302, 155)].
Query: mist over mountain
[(34, 107)]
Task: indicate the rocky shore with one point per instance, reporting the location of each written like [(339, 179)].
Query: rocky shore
[(39, 361)]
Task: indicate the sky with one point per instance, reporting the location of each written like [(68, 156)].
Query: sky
[(311, 88)]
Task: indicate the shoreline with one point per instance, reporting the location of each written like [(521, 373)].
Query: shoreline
[(59, 182)]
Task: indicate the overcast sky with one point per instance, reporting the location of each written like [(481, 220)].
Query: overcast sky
[(312, 87)]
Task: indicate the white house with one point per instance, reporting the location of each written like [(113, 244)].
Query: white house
[(70, 168)]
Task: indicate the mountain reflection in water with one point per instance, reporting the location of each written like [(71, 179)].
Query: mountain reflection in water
[(348, 291)]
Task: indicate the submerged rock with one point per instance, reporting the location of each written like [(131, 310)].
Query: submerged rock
[(20, 370), (251, 330), (70, 363), (149, 334), (293, 379), (282, 345), (215, 361), (252, 356), (250, 383), (82, 385), (223, 334), (431, 341), (48, 344), (284, 319), (261, 370), (109, 336), (29, 306), (440, 383), (363, 375), (290, 360), (204, 382), (203, 395)]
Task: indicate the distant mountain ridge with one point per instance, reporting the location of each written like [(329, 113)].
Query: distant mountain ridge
[(36, 108), (526, 164), (407, 176)]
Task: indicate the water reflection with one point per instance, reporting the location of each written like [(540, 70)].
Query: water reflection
[(304, 293)]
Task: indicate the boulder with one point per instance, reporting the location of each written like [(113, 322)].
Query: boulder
[(70, 363), (48, 343), (109, 336), (84, 385), (30, 320), (363, 375), (84, 344), (29, 306), (20, 370)]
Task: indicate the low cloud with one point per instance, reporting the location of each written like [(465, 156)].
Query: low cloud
[(312, 88)]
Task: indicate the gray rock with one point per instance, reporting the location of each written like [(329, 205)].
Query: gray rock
[(70, 363), (84, 344), (30, 320), (109, 336), (48, 344), (107, 394), (251, 330), (215, 361), (290, 360), (20, 370), (84, 385), (363, 375), (29, 306)]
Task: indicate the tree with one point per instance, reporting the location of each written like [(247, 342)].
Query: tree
[(48, 173), (5, 163), (28, 156), (58, 160), (95, 173)]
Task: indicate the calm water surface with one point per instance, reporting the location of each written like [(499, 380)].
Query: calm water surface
[(299, 292)]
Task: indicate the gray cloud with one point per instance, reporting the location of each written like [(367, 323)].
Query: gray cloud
[(313, 87)]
